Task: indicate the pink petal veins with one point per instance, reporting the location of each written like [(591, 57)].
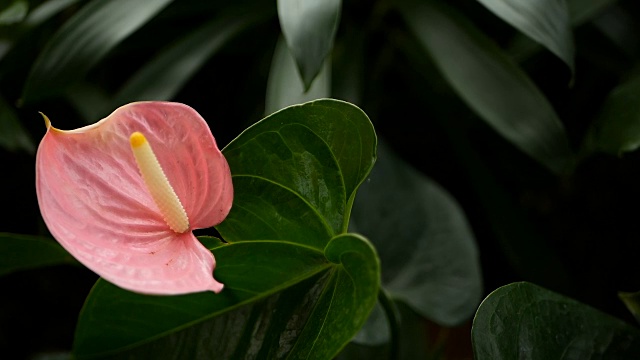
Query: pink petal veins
[(95, 203)]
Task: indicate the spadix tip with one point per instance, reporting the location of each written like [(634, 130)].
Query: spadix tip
[(137, 139)]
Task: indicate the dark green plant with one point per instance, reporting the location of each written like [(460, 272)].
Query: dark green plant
[(506, 134)]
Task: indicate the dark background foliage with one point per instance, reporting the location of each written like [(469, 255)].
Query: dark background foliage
[(575, 233)]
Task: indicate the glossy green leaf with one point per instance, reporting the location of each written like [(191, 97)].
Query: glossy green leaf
[(525, 321), (491, 84), (22, 252), (432, 263), (12, 135), (285, 87), (309, 28), (546, 22), (83, 41), (616, 130), (280, 299), (296, 285), (632, 302), (304, 164)]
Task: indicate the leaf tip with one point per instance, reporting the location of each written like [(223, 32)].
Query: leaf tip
[(47, 122)]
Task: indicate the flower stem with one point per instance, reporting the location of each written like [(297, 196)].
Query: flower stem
[(393, 320)]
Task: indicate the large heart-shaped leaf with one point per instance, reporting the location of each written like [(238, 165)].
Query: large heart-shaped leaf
[(296, 284), (525, 321), (22, 252), (309, 27), (490, 83), (307, 159), (427, 250), (83, 41), (546, 22)]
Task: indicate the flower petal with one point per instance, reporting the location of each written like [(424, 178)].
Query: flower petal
[(97, 206)]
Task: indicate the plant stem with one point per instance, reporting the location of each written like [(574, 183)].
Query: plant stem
[(393, 319)]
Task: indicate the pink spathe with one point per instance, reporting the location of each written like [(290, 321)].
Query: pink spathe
[(96, 204)]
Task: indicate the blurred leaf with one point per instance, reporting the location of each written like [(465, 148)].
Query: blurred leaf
[(22, 252), (12, 135), (14, 13), (616, 129), (376, 330), (167, 73), (491, 84), (89, 100), (632, 302), (518, 237), (83, 41), (35, 17), (348, 66), (60, 355), (295, 283), (581, 11), (284, 86), (413, 338), (546, 22), (524, 321), (46, 10), (309, 27), (432, 261)]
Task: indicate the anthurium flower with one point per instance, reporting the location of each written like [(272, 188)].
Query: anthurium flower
[(122, 196)]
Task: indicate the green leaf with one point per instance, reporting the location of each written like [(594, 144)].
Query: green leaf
[(491, 84), (22, 252), (285, 87), (517, 236), (12, 135), (280, 299), (616, 129), (309, 28), (89, 100), (412, 341), (582, 11), (14, 13), (546, 22), (165, 74), (632, 302), (432, 263), (525, 321), (83, 41), (295, 285), (301, 167), (46, 10), (34, 18)]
